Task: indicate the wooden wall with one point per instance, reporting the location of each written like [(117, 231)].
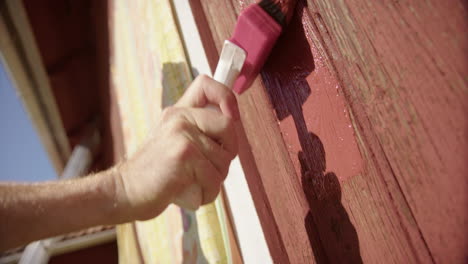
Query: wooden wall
[(355, 144), (355, 136), (104, 254), (73, 39), (64, 34)]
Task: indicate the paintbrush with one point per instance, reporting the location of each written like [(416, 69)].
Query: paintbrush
[(257, 29), (242, 57)]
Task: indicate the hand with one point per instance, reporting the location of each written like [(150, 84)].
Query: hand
[(191, 144)]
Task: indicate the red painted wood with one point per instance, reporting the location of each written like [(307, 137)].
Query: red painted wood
[(410, 86), (105, 253), (62, 29), (309, 104), (74, 86), (73, 39), (401, 84), (64, 33)]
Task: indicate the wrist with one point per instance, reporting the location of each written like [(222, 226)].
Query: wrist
[(118, 198)]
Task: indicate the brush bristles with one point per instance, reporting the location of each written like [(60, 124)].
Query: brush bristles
[(274, 10), (280, 10)]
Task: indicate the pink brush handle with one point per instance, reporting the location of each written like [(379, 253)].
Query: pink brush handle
[(256, 32)]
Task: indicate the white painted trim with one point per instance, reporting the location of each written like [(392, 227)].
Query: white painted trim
[(252, 241), (191, 37), (78, 243)]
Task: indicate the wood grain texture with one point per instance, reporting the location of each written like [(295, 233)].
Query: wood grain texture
[(64, 35), (402, 70), (405, 70)]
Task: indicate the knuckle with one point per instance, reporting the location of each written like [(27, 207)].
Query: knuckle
[(203, 78), (199, 82), (168, 113), (184, 150), (179, 125), (230, 97), (211, 193)]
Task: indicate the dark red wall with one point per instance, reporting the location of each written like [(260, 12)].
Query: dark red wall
[(102, 254)]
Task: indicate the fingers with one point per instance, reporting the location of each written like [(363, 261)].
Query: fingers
[(215, 126), (208, 178), (212, 151), (205, 176), (210, 144), (204, 91), (214, 136), (211, 134)]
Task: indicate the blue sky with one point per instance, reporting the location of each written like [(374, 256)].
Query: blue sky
[(22, 155)]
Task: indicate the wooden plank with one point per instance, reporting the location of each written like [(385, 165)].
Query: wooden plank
[(63, 30), (320, 122), (384, 212), (405, 71), (270, 161), (64, 35)]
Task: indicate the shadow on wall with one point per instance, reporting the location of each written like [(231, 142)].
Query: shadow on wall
[(170, 72), (331, 234)]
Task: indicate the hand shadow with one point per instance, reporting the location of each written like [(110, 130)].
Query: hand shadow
[(331, 234), (327, 219)]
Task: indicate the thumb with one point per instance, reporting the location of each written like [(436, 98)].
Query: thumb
[(204, 91)]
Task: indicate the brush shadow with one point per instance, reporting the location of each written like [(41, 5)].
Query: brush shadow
[(331, 234)]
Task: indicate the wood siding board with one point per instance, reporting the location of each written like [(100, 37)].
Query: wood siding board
[(411, 102), (61, 28), (63, 32), (389, 84)]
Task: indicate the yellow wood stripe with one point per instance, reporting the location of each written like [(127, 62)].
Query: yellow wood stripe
[(149, 70)]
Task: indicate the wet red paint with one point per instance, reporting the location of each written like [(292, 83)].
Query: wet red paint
[(319, 139), (309, 105), (296, 193)]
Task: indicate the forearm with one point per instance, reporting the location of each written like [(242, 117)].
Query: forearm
[(190, 146), (34, 211)]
